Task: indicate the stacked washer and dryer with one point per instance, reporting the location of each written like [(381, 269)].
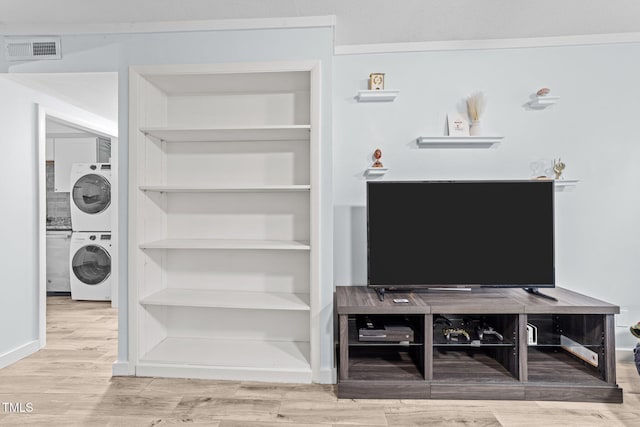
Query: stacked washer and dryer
[(91, 243)]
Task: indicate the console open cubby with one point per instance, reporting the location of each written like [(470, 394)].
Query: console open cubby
[(566, 348), (488, 352), (378, 358), (573, 358)]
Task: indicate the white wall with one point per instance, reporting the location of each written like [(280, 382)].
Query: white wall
[(19, 286), (118, 52), (593, 128)]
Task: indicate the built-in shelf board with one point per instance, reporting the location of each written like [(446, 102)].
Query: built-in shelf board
[(226, 244), (376, 171), (276, 357), (458, 141), (540, 102), (228, 299), (237, 189), (377, 95), (248, 133), (565, 184)]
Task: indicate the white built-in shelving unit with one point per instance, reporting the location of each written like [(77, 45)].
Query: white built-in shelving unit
[(224, 236)]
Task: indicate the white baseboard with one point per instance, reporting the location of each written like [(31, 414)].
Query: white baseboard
[(121, 369), (301, 376), (624, 355), (21, 352)]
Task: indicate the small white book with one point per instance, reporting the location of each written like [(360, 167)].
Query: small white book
[(458, 125)]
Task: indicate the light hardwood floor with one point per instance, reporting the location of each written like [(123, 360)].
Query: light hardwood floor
[(69, 383)]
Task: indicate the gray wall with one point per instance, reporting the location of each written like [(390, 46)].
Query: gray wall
[(593, 128)]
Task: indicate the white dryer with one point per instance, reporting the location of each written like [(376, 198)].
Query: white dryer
[(90, 266), (91, 197)]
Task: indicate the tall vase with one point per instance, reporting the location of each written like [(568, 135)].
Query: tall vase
[(475, 129)]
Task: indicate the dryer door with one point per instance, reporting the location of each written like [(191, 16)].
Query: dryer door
[(91, 264), (92, 193)]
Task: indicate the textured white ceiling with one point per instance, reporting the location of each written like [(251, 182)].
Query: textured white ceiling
[(358, 21)]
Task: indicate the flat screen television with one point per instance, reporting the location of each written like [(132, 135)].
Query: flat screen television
[(429, 234)]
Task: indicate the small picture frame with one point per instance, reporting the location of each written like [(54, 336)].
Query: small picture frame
[(458, 125), (376, 81)]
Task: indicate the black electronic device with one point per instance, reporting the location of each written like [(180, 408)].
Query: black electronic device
[(460, 234), (384, 329)]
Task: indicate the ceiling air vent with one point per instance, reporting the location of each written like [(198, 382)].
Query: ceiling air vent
[(29, 49)]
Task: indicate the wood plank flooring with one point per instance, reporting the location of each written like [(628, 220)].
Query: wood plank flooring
[(69, 384)]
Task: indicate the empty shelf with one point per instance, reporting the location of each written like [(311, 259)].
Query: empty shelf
[(228, 299), (238, 189), (285, 355), (226, 244), (249, 133)]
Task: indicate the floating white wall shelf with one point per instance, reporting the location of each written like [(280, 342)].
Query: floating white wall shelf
[(565, 184), (540, 102), (458, 141), (376, 171), (377, 95)]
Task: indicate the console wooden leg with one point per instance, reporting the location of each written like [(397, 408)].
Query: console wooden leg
[(344, 346)]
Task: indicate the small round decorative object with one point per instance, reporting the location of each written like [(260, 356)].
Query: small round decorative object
[(377, 155), (544, 91)]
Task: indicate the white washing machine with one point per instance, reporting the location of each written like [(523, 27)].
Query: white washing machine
[(90, 266), (91, 197)]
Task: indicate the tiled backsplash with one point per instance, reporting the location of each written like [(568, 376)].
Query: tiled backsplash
[(58, 204)]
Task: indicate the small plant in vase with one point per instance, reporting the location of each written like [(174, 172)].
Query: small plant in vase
[(476, 104)]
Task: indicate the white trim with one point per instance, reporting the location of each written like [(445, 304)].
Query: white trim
[(225, 68), (12, 356), (121, 369), (580, 40), (315, 171), (41, 227), (624, 355), (228, 373), (168, 26)]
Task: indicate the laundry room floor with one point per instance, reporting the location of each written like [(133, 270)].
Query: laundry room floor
[(69, 383)]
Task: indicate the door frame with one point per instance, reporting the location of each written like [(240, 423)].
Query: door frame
[(102, 128)]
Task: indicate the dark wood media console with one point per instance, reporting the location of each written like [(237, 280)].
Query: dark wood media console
[(573, 358)]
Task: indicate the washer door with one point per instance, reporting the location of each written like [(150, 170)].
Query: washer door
[(91, 264), (92, 193)]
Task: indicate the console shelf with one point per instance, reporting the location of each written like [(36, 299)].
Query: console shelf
[(573, 360)]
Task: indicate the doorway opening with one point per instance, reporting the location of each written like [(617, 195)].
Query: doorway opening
[(78, 212)]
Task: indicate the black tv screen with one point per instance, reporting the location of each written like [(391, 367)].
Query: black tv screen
[(460, 234)]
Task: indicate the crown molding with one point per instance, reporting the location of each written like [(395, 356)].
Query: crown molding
[(167, 26), (533, 42)]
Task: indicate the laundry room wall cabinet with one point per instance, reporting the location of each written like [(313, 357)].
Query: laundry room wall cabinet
[(224, 230)]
